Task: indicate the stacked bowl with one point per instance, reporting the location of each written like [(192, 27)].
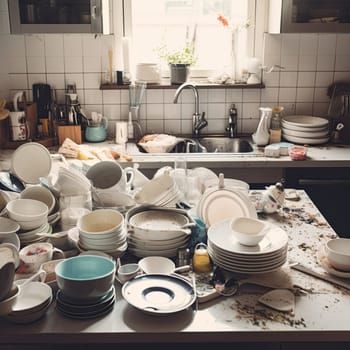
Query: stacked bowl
[(32, 217), (305, 129), (86, 286), (158, 232), (103, 230)]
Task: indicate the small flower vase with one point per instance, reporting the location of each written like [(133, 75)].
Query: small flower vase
[(234, 63), (179, 73)]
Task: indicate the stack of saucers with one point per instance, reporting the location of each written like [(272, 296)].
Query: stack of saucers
[(82, 309), (226, 252), (103, 230), (34, 236)]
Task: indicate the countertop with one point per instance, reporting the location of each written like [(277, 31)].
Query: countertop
[(321, 314)]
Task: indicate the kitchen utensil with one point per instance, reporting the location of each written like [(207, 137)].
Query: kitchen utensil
[(327, 278), (42, 98), (110, 64)]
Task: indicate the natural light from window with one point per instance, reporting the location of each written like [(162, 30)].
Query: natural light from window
[(169, 22)]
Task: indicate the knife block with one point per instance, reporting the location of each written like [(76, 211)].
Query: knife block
[(72, 132)]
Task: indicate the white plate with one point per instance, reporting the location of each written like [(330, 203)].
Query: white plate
[(220, 234), (305, 140), (328, 267), (306, 134), (219, 204), (302, 128), (306, 121), (31, 161), (159, 294)]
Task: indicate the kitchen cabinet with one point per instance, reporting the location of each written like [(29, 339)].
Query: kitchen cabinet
[(60, 16), (309, 16)]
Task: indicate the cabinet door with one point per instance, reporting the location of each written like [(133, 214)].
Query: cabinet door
[(315, 16)]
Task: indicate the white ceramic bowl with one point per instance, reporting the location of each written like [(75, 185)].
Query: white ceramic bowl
[(157, 264), (8, 226), (128, 271), (41, 194), (248, 231), (85, 277), (9, 301), (338, 253), (100, 222), (29, 213)]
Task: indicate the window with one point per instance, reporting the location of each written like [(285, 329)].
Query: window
[(153, 23)]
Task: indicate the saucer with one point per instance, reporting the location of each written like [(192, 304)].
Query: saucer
[(322, 258)]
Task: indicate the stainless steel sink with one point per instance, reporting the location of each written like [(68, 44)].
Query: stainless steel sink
[(219, 145)]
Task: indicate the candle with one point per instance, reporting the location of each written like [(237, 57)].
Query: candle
[(126, 54)]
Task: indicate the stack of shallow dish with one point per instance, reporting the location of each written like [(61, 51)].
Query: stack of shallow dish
[(158, 232), (161, 191), (305, 129), (226, 252), (33, 236), (31, 304), (103, 230)]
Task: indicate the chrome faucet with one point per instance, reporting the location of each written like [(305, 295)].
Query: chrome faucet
[(198, 120), (232, 122)]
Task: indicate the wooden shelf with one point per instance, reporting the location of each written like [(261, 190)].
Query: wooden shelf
[(200, 85)]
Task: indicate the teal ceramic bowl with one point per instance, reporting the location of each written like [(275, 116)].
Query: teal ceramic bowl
[(85, 277)]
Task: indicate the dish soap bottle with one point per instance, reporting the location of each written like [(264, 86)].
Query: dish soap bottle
[(201, 260), (276, 130)]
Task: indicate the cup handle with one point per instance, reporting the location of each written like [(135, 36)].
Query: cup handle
[(131, 172), (57, 254)]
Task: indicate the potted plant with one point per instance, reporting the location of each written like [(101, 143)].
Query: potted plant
[(179, 60)]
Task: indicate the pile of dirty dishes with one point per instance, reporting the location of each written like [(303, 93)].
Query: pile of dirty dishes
[(263, 256), (161, 191), (86, 286), (158, 232), (103, 230)]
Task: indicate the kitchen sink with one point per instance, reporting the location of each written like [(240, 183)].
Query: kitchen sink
[(217, 145)]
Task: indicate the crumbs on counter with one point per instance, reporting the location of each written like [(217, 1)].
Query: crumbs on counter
[(260, 315)]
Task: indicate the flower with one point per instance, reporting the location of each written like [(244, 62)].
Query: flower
[(226, 23)]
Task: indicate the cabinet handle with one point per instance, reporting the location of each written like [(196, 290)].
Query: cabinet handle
[(94, 12), (324, 182)]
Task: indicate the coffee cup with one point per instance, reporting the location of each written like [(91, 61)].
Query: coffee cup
[(128, 271), (34, 255), (110, 176)]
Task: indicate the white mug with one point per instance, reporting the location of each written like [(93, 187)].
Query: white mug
[(121, 133), (149, 72), (19, 126)]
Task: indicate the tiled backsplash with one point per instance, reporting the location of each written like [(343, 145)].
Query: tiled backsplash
[(312, 62)]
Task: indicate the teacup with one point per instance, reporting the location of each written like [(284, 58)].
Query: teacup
[(128, 271), (35, 254), (110, 176)]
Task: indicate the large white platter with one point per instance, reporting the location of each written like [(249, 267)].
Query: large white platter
[(31, 161), (219, 204)]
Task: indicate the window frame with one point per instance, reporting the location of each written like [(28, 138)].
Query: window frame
[(123, 28)]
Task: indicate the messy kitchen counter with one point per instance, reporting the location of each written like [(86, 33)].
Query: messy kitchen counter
[(320, 314)]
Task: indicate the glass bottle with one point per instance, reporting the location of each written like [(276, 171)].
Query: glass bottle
[(276, 129)]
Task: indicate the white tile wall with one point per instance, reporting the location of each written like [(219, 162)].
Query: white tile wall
[(312, 62)]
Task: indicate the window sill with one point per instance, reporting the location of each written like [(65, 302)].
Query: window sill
[(205, 85)]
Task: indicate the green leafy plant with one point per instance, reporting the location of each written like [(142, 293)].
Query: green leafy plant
[(183, 55)]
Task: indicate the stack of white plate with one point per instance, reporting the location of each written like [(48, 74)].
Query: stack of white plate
[(305, 129), (227, 253), (113, 243), (161, 191), (158, 232)]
